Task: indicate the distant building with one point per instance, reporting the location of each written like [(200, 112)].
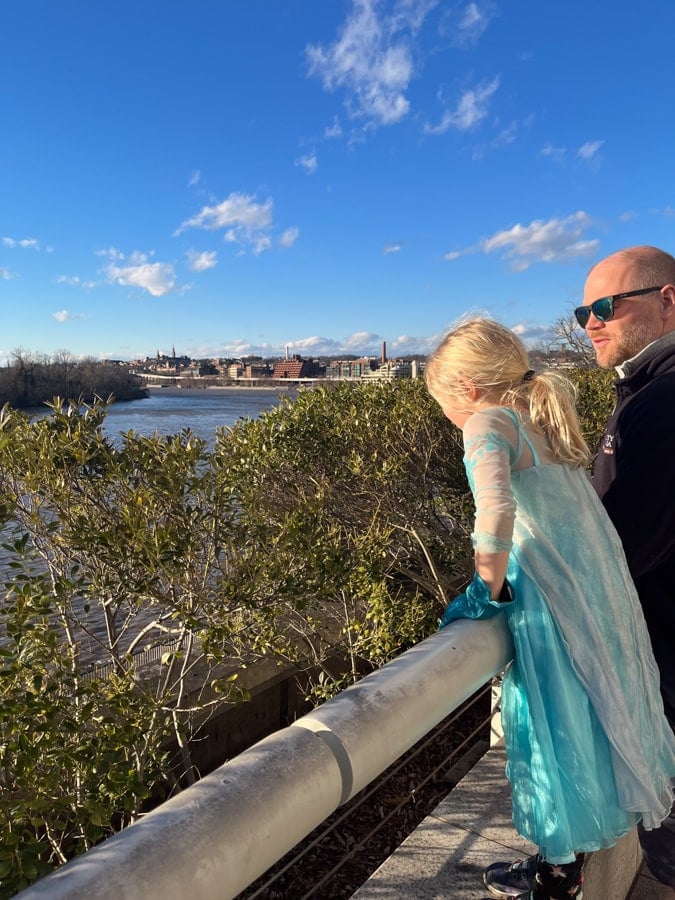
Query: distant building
[(257, 370), (165, 364), (394, 368), (296, 367), (350, 368)]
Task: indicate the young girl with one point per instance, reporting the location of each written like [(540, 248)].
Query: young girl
[(589, 749)]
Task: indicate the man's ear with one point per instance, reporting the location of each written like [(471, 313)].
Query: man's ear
[(668, 302)]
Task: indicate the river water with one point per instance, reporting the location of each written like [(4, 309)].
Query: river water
[(169, 410)]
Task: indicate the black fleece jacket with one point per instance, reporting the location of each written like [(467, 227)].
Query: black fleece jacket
[(634, 474)]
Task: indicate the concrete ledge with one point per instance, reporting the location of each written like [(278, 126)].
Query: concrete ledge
[(213, 839), (472, 828)]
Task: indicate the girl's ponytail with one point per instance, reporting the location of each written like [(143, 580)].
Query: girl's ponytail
[(552, 409)]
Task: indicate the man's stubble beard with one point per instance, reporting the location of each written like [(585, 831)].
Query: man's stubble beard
[(628, 345)]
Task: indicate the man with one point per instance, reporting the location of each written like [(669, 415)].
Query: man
[(634, 472), (629, 316)]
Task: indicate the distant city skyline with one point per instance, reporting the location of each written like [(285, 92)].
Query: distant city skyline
[(176, 354), (239, 178)]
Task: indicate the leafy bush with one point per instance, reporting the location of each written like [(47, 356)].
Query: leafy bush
[(595, 401), (356, 506), (114, 553)]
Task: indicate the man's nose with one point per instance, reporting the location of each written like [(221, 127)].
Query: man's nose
[(593, 324)]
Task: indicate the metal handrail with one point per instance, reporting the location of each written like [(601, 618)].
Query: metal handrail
[(219, 835)]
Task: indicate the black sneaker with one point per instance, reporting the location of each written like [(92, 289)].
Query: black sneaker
[(516, 879)]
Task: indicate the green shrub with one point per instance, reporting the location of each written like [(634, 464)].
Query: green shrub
[(595, 401)]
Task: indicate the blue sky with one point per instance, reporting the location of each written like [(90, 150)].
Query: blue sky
[(241, 176)]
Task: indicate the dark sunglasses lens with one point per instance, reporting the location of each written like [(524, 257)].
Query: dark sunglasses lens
[(603, 310), (583, 314)]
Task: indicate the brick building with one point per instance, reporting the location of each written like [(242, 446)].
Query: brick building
[(296, 367)]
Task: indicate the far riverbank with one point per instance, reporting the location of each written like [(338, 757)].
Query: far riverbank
[(220, 388)]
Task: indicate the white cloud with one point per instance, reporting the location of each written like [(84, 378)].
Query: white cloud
[(312, 345), (557, 240), (360, 343), (334, 130), (506, 135), (466, 25), (238, 211), (452, 255), (195, 178), (157, 279), (410, 14), (589, 149), (110, 253), (75, 281), (238, 347), (557, 154), (405, 345), (289, 237), (61, 316), (391, 248), (262, 242), (246, 221), (309, 163), (6, 274), (474, 22), (533, 334), (372, 59), (64, 316), (24, 243), (471, 109), (200, 262)]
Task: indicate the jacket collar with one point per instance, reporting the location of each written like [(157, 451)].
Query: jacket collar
[(649, 357)]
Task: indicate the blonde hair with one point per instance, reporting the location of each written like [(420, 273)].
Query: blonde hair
[(489, 357)]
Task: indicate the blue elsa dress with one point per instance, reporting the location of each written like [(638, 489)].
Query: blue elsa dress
[(589, 750)]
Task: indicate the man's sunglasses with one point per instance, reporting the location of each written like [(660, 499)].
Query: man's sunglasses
[(603, 309)]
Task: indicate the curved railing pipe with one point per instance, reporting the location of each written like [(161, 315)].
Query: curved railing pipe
[(219, 835)]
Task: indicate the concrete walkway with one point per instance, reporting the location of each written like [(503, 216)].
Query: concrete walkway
[(471, 828), (648, 888)]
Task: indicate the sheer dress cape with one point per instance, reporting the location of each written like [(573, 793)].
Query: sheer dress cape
[(589, 749)]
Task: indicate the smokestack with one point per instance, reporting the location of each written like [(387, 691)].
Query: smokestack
[(384, 352)]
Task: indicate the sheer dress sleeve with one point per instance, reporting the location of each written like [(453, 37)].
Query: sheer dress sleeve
[(489, 453)]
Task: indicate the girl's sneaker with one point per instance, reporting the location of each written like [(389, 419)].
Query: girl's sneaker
[(534, 879), (516, 879)]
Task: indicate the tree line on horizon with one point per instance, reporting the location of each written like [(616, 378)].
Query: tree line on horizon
[(30, 380)]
